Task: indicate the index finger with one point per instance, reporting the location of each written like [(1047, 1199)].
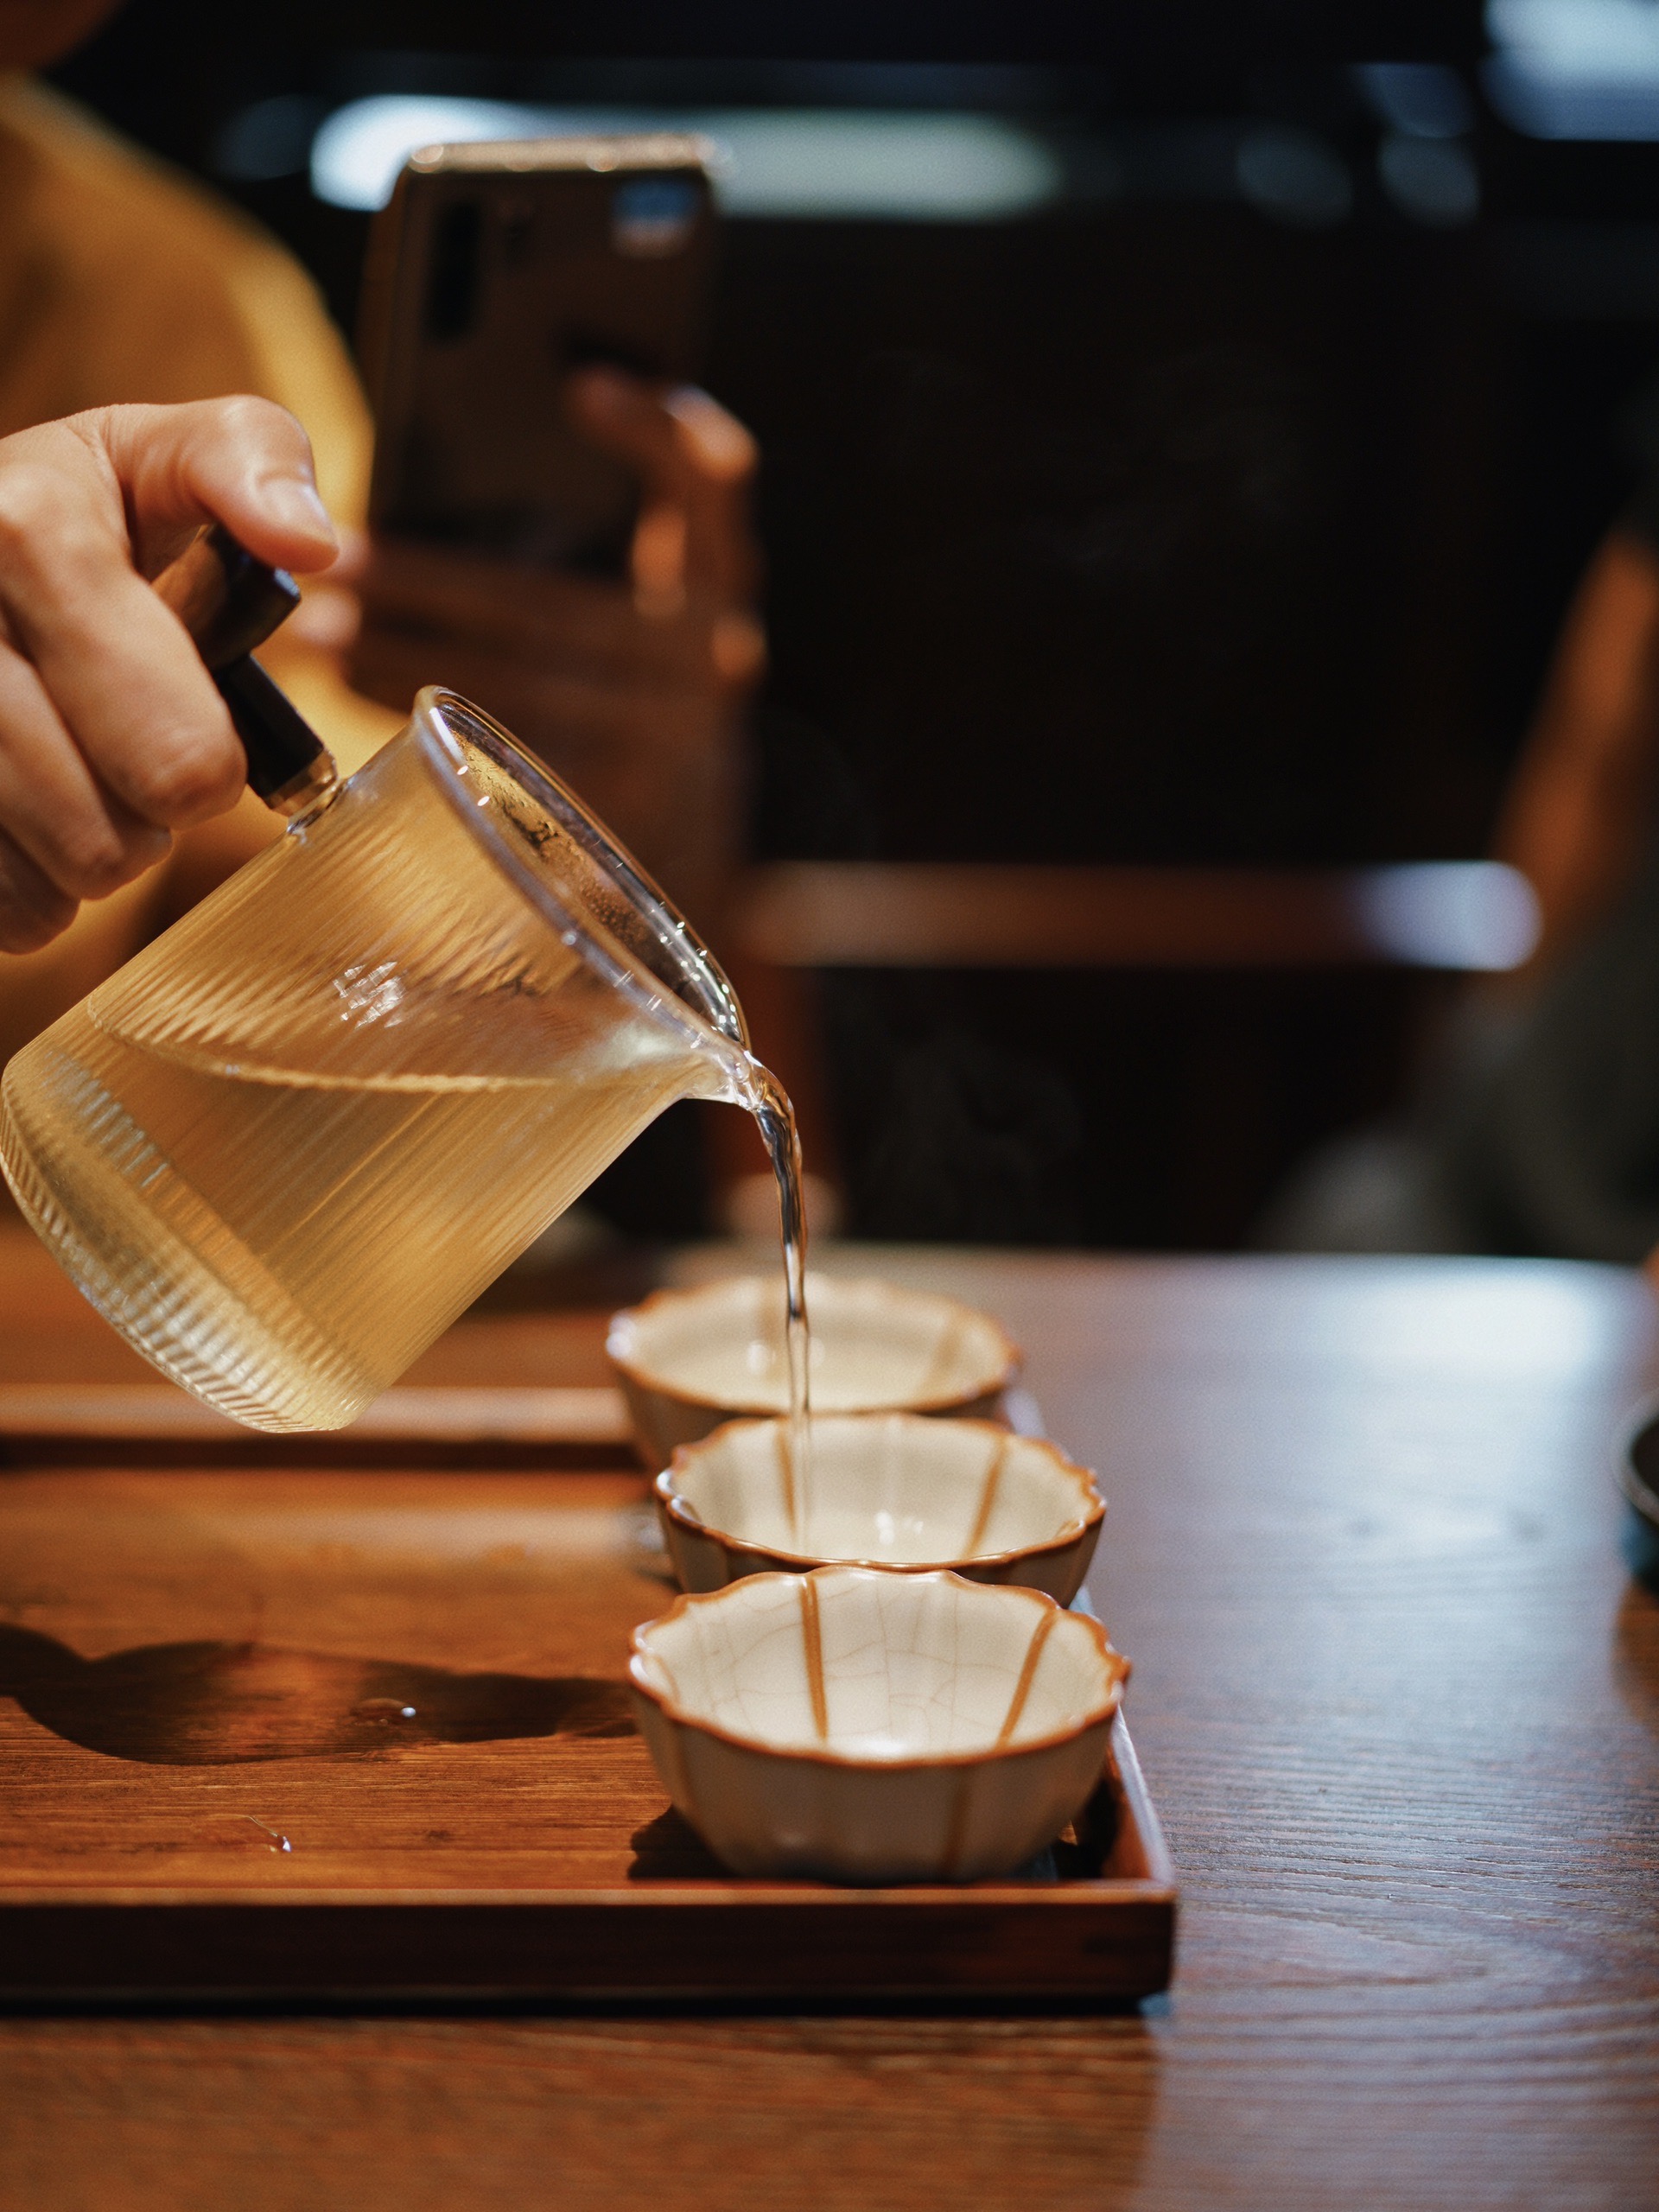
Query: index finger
[(692, 455), (80, 501), (111, 661), (243, 461)]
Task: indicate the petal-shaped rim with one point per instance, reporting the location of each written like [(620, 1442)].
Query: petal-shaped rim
[(626, 1322), (1094, 1504), (1117, 1667)]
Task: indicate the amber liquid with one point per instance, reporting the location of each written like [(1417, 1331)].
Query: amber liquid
[(293, 1138), (292, 1298), (285, 1245)]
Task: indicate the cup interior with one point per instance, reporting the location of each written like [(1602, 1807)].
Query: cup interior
[(874, 1346), (851, 1664), (893, 1489)]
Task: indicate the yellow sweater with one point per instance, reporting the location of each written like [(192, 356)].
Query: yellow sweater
[(121, 281)]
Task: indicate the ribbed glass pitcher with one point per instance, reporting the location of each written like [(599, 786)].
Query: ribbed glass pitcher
[(284, 1146)]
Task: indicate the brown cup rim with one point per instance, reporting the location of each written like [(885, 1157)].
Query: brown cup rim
[(680, 1509), (1101, 1714), (941, 1402)]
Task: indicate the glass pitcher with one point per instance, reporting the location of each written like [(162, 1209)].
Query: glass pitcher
[(284, 1146)]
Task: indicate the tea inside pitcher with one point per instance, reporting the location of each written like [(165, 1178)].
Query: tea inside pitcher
[(298, 1134)]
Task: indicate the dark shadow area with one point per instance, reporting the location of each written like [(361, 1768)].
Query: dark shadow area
[(1640, 1477), (968, 2006), (214, 1704), (668, 1849), (1640, 1545), (1636, 1642)]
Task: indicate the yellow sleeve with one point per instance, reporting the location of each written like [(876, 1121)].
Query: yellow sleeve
[(122, 282)]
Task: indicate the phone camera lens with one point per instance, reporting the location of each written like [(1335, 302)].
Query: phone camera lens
[(653, 215)]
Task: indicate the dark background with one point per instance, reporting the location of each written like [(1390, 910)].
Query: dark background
[(1157, 526)]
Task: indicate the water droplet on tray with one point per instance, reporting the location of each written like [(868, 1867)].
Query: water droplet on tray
[(383, 1709)]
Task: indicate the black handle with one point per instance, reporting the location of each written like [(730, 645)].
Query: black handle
[(227, 600), (230, 603)]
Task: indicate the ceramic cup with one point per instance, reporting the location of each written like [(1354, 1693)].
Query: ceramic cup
[(688, 1360), (870, 1727), (887, 1490)]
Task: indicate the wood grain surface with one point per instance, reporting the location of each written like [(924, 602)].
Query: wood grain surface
[(458, 1417), (325, 1731), (1397, 1694)]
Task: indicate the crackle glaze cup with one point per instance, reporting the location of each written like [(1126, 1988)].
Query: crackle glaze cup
[(688, 1360), (869, 1727), (888, 1490)]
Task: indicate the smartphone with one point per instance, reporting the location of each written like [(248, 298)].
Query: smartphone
[(496, 270)]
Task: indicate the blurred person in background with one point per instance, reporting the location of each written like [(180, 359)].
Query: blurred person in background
[(1537, 1131), (123, 283)]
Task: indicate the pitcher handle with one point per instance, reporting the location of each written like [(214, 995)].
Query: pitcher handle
[(229, 602)]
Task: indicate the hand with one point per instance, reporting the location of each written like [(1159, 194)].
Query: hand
[(631, 691), (1577, 818), (112, 734)]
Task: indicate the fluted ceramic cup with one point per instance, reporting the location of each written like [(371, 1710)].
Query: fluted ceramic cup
[(688, 1360), (869, 1727), (888, 1490)]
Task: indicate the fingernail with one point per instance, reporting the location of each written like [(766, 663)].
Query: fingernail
[(293, 503)]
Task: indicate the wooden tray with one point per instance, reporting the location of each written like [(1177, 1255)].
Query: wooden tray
[(154, 1424), (362, 1731)]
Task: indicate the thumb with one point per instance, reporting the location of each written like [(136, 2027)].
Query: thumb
[(245, 462)]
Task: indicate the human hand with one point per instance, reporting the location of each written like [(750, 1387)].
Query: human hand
[(631, 691), (112, 734)]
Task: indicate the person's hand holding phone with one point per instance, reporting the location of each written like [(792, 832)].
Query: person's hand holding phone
[(633, 690)]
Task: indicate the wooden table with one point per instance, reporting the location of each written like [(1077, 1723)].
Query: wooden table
[(1397, 1697)]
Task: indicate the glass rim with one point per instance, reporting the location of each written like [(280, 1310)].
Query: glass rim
[(440, 721)]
